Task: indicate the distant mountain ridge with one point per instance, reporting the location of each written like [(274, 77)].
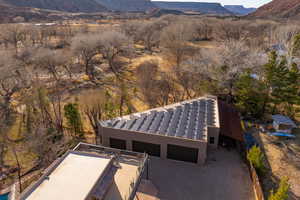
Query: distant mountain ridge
[(59, 5), (239, 9), (279, 9), (202, 7), (85, 5), (127, 5), (90, 6), (19, 14)]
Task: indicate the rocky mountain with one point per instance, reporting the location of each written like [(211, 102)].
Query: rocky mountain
[(59, 5), (239, 9), (19, 14), (127, 5), (206, 8), (158, 12), (279, 9)]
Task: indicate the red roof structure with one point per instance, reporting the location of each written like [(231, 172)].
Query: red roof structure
[(230, 122)]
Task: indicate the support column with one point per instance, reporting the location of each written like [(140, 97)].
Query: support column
[(202, 153), (129, 145), (163, 151)]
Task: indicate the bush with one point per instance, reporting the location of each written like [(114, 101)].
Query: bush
[(256, 157), (282, 191)]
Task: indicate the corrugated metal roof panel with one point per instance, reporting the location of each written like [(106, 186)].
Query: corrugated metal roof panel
[(183, 120)]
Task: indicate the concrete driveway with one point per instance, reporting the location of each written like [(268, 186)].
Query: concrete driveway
[(223, 177)]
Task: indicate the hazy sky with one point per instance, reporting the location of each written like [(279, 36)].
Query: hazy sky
[(246, 3)]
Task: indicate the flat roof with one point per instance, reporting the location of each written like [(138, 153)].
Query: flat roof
[(90, 171), (73, 178), (188, 119)]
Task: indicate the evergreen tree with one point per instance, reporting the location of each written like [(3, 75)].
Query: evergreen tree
[(282, 83), (73, 117), (250, 95)]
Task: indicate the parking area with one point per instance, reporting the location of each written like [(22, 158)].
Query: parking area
[(224, 176)]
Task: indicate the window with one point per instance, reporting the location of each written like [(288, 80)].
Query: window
[(211, 140)]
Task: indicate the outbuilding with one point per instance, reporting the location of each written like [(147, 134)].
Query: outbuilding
[(283, 123)]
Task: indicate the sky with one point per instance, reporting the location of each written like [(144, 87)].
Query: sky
[(246, 3)]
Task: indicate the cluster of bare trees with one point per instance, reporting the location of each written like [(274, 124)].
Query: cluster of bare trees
[(40, 64)]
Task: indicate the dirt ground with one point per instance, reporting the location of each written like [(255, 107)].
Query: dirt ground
[(223, 177), (283, 160)]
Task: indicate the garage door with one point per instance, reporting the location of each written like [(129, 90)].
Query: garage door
[(149, 148), (117, 143), (181, 153)]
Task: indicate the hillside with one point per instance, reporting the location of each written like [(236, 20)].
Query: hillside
[(206, 8), (239, 9), (60, 5), (158, 12), (127, 5), (279, 9), (14, 14)]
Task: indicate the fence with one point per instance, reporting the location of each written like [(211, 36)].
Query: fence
[(259, 195)]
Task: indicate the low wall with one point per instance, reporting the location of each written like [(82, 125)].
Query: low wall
[(259, 195)]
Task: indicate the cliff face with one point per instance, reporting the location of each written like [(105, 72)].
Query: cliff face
[(60, 5), (206, 8), (127, 5), (10, 14), (239, 9), (279, 9)]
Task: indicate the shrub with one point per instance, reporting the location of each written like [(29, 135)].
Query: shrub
[(282, 191), (256, 157)]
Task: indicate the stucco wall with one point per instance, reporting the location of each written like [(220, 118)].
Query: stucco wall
[(163, 141), (213, 132)]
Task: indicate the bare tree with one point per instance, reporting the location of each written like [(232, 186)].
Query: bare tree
[(157, 88), (227, 30), (13, 79), (13, 34), (86, 48), (284, 41), (147, 75), (174, 40), (114, 45), (204, 28), (131, 29), (149, 33), (54, 62), (44, 133), (94, 114), (223, 66)]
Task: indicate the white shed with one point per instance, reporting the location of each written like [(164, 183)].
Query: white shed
[(283, 123)]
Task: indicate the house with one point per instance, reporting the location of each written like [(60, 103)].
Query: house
[(90, 172), (283, 124), (183, 131)]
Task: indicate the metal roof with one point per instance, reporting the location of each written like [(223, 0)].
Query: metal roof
[(188, 119), (280, 119)]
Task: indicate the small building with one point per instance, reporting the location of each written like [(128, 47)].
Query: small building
[(181, 131), (90, 172), (283, 124)]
